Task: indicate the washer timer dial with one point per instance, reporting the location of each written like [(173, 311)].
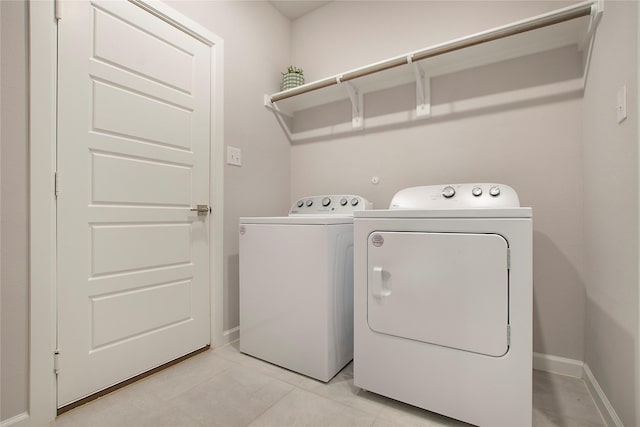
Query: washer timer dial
[(448, 192)]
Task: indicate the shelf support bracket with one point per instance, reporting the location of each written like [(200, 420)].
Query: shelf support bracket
[(423, 90), (284, 119), (357, 116), (597, 8), (269, 105)]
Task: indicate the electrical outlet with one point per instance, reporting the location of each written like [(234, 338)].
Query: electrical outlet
[(234, 156)]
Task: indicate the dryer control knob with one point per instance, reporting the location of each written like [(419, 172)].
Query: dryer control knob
[(494, 191), (448, 192), (309, 203), (354, 202), (343, 202), (476, 191), (300, 203), (326, 202)]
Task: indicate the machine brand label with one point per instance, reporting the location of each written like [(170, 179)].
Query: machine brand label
[(377, 240)]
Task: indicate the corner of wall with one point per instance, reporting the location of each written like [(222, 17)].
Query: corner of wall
[(16, 421), (605, 407), (637, 106), (558, 365), (578, 369)]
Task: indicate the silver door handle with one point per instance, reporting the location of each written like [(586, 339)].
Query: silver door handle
[(203, 210)]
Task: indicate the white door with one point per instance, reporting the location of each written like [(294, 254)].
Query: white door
[(133, 158), (448, 289)]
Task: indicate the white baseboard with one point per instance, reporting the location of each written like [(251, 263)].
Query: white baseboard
[(604, 406), (578, 369), (558, 365), (230, 335), (20, 419)]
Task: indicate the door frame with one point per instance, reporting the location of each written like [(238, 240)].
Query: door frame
[(42, 217)]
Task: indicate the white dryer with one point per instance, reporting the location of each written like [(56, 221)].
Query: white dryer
[(296, 285), (443, 302)]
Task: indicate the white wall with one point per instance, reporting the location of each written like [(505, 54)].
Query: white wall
[(534, 145), (14, 344), (256, 42), (611, 212)]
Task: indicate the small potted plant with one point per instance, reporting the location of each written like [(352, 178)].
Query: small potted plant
[(292, 78)]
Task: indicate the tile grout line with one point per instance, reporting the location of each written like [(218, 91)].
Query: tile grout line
[(272, 405)]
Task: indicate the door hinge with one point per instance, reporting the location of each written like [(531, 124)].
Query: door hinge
[(508, 335), (58, 7), (56, 361), (508, 258), (56, 187)]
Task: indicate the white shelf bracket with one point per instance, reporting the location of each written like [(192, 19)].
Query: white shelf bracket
[(423, 91), (280, 115), (597, 8), (273, 107), (267, 102), (357, 116)]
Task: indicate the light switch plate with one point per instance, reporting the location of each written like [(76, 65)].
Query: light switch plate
[(621, 106), (234, 156)]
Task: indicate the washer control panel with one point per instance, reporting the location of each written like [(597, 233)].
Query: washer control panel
[(341, 204), (452, 196)]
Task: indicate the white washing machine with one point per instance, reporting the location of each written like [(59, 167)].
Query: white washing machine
[(443, 302), (296, 285)]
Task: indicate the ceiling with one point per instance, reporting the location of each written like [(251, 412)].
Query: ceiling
[(294, 9)]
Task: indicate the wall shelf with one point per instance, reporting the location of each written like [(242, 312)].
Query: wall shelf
[(569, 26)]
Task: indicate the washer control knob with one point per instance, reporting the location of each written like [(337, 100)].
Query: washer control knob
[(343, 202), (448, 192), (300, 203), (354, 202), (476, 191), (494, 191), (326, 202), (309, 203)]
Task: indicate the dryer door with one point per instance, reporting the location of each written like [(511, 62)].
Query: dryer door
[(447, 289)]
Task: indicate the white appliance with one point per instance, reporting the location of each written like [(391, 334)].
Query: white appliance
[(296, 285), (443, 302)]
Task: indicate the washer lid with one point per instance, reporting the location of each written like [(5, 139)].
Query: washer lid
[(299, 220), (455, 196)]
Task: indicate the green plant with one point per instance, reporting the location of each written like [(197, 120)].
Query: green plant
[(294, 70)]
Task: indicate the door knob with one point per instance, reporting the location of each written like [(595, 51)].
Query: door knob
[(203, 210)]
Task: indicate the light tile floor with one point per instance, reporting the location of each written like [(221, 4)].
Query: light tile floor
[(223, 387)]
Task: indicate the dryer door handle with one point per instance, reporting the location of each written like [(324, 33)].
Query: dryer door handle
[(379, 286)]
